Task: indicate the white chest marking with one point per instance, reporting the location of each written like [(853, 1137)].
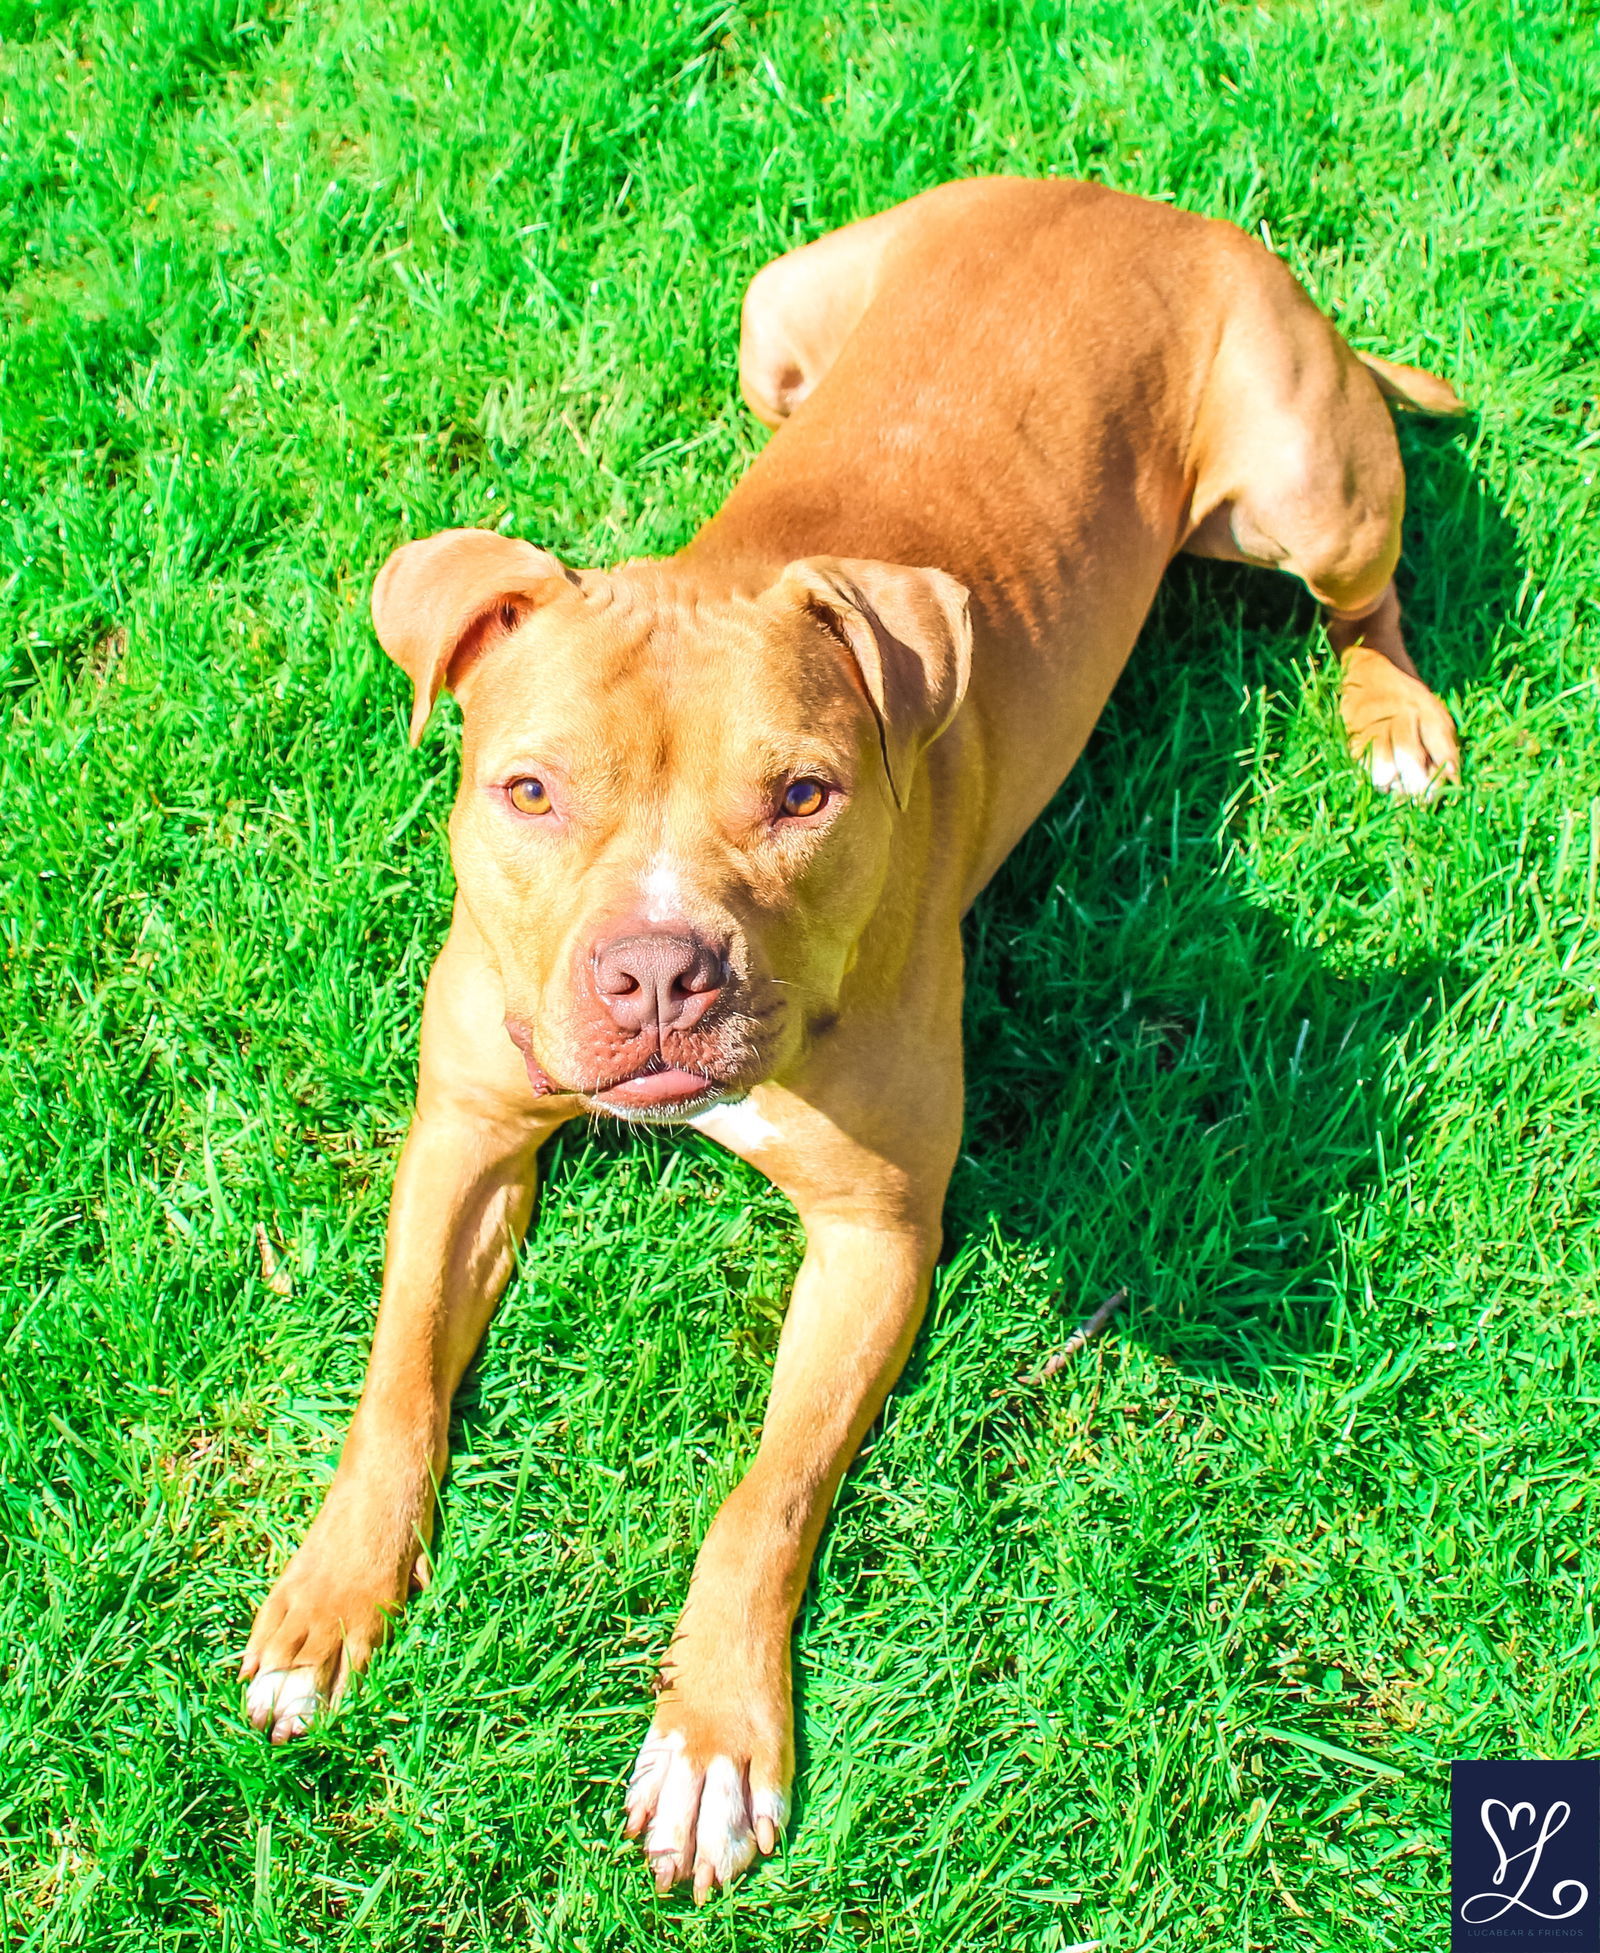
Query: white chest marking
[(739, 1127)]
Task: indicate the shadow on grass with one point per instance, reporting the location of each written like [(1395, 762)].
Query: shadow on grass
[(1170, 1088)]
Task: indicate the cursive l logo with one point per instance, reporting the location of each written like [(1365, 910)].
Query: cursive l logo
[(1502, 1901)]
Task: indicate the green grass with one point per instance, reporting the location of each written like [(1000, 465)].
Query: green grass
[(1312, 1075)]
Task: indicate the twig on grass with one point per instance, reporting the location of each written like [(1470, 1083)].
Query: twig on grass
[(1085, 1332), (276, 1277)]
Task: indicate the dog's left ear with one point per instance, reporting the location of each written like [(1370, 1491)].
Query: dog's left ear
[(911, 638), (435, 603)]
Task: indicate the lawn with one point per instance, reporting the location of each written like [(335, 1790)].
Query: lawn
[(1170, 1651)]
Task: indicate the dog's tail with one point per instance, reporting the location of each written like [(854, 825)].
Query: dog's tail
[(1409, 386)]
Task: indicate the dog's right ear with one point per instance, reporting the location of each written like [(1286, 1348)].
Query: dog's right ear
[(435, 604)]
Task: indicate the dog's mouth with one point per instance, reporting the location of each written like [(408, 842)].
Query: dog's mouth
[(657, 1088), (658, 1091)]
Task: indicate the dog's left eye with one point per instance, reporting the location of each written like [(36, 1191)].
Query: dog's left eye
[(528, 796), (804, 797)]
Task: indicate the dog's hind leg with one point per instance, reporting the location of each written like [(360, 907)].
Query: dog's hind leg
[(800, 309), (1300, 471)]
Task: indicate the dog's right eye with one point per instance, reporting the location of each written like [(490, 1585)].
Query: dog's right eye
[(528, 796)]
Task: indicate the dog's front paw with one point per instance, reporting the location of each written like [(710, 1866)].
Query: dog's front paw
[(1396, 728), (711, 1786), (330, 1609), (701, 1816)]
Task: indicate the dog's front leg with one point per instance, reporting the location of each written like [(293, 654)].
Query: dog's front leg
[(711, 1785), (462, 1198)]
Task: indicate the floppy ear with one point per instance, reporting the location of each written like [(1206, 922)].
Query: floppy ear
[(911, 639), (434, 602)]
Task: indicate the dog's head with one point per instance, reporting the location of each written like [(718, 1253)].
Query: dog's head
[(677, 796)]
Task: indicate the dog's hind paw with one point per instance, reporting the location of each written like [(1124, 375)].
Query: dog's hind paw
[(705, 1822), (1399, 733)]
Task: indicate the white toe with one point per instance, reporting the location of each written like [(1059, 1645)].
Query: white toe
[(725, 1839), (1414, 776), (672, 1827), (283, 1700), (650, 1773)]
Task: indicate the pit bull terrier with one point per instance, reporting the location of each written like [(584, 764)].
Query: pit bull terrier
[(720, 817)]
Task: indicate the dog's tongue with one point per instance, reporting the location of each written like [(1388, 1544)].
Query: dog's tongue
[(666, 1087)]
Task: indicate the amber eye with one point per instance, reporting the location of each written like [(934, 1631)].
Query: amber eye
[(528, 796), (803, 797)]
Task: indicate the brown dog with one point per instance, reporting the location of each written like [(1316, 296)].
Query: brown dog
[(720, 817)]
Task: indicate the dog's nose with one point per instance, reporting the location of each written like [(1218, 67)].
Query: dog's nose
[(661, 983)]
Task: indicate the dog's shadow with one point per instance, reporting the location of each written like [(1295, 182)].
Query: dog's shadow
[(1184, 1005), (1180, 1062)]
